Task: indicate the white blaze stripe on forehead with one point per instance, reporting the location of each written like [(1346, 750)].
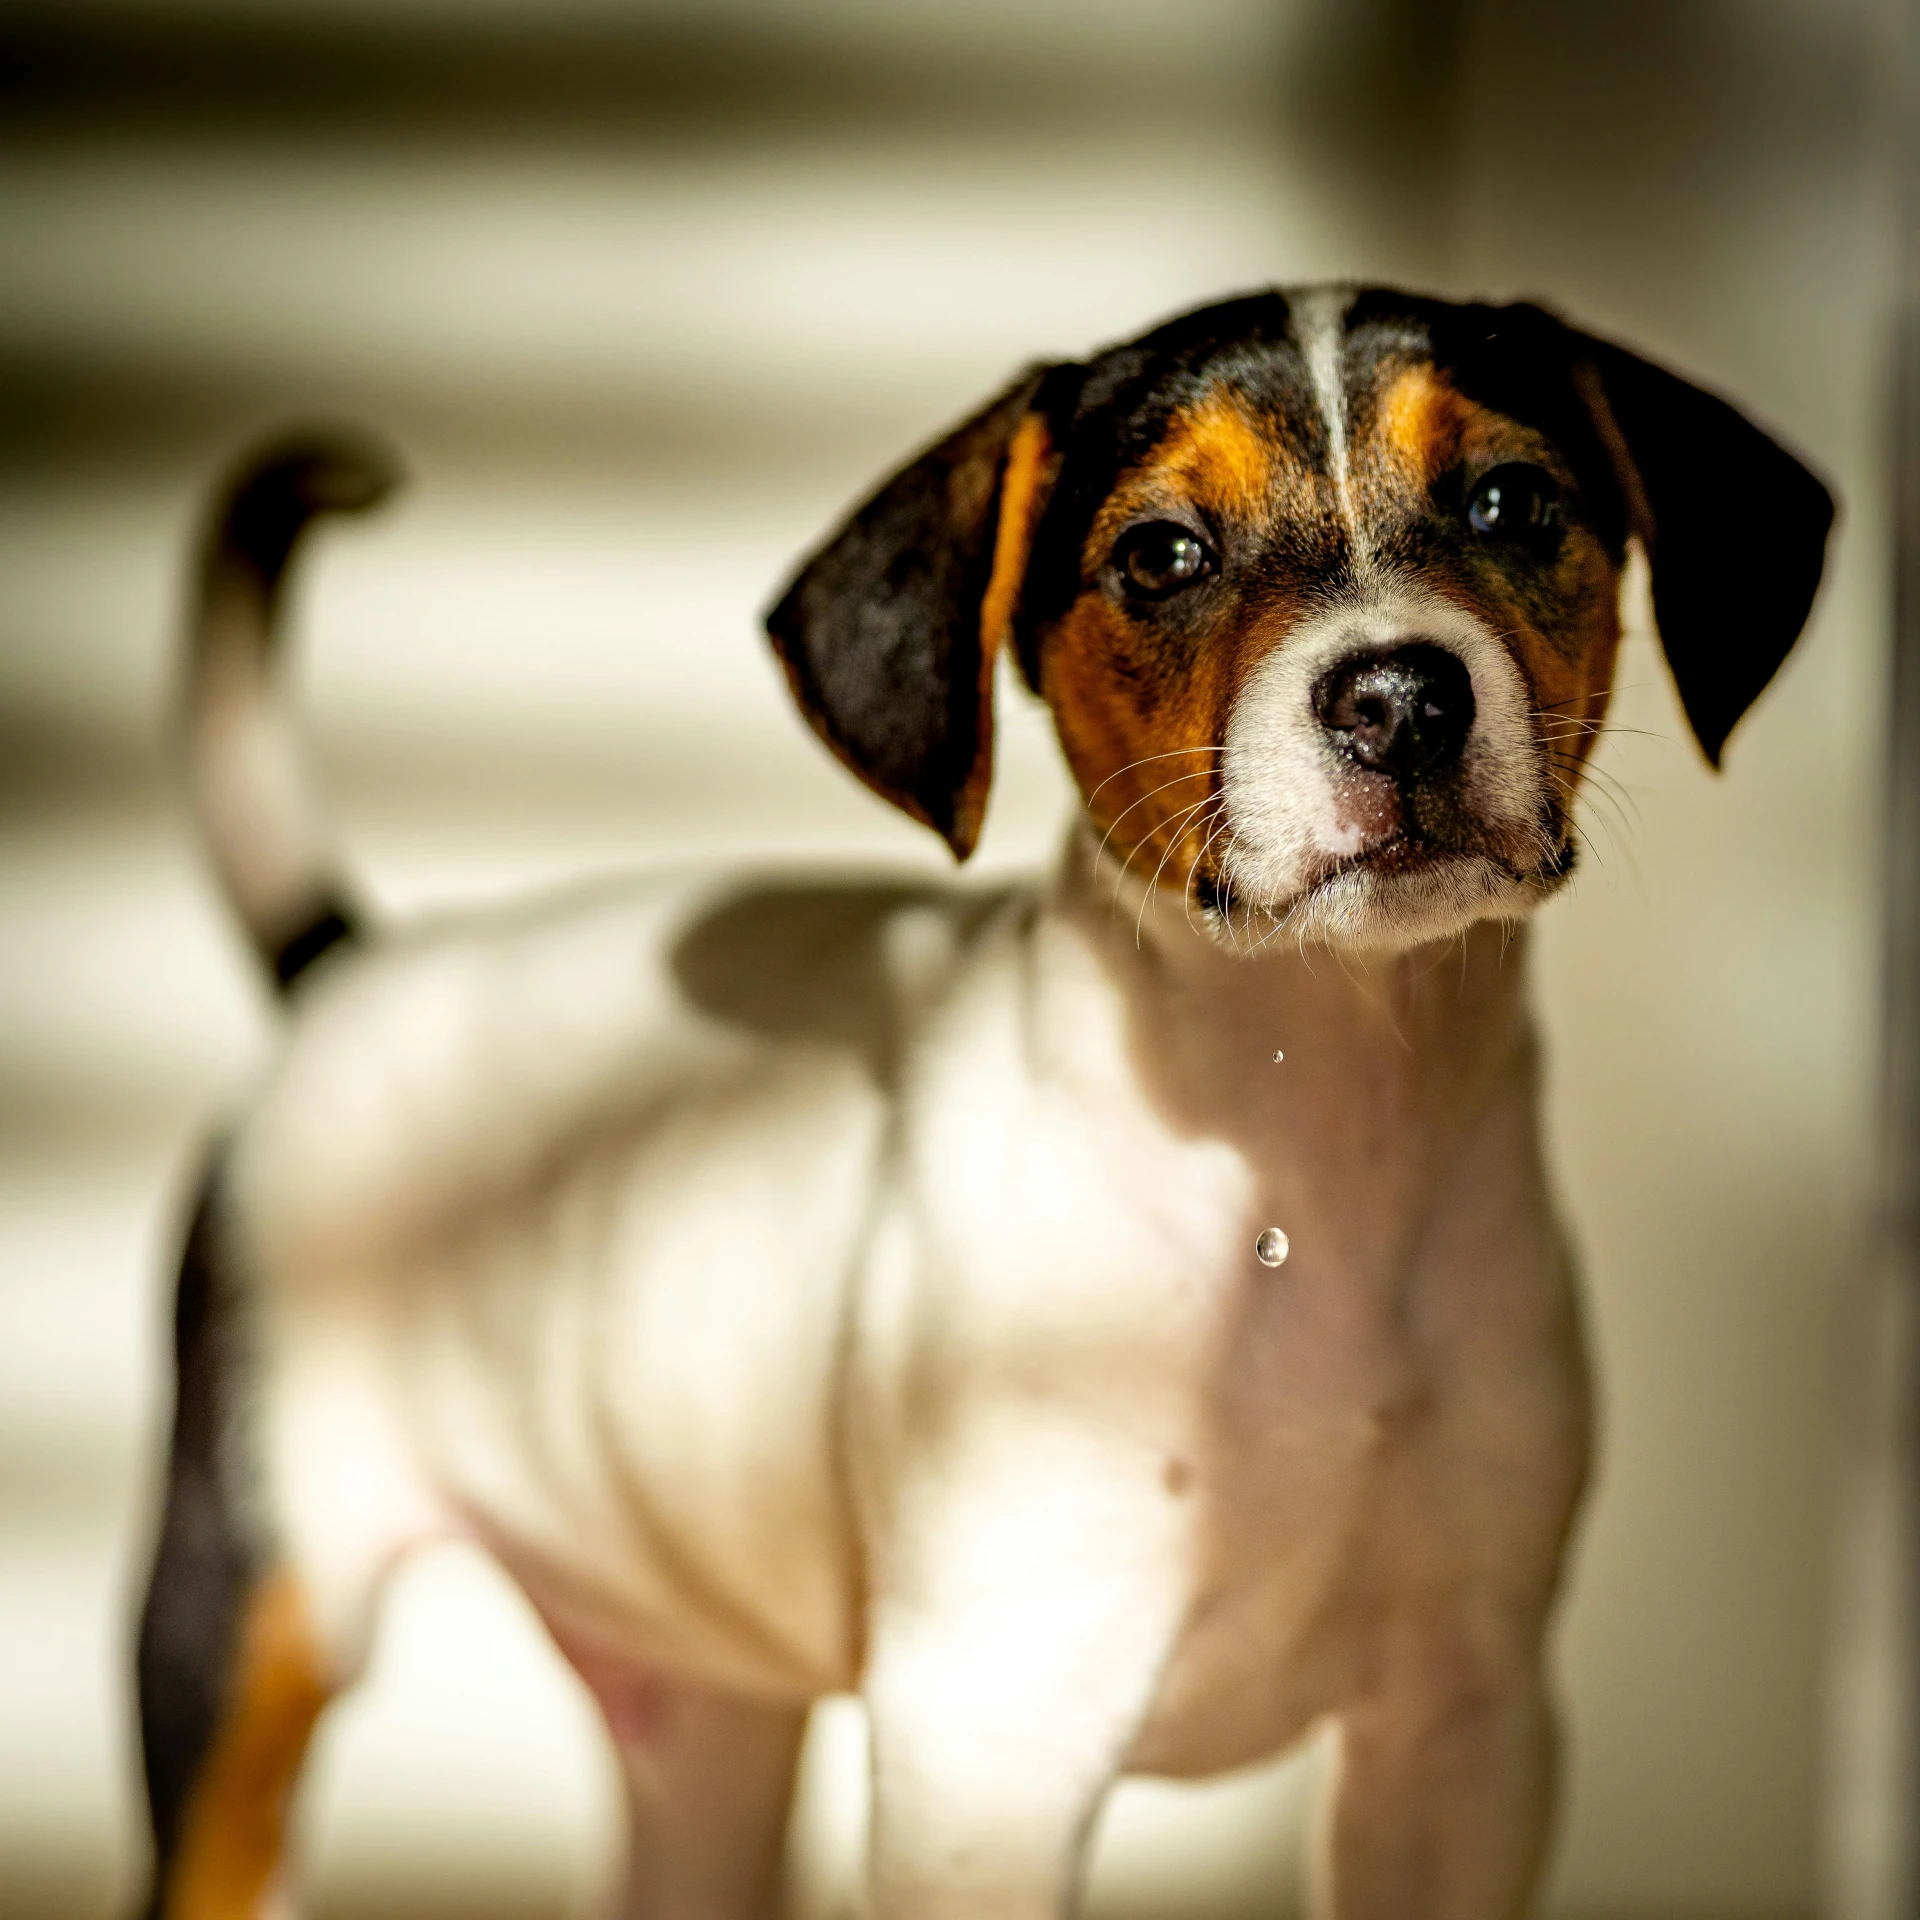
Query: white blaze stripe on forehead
[(1282, 780), (1318, 319)]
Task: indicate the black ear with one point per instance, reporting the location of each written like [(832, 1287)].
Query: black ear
[(890, 633), (1734, 526)]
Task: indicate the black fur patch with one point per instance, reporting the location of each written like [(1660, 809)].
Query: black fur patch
[(320, 935), (205, 1565), (880, 631), (1738, 540)]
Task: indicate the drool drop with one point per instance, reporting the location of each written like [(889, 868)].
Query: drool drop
[(1271, 1247), (1278, 1056)]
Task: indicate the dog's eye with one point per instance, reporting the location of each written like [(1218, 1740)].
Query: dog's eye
[(1161, 558), (1515, 502)]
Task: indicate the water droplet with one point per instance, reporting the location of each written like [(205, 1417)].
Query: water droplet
[(1271, 1247), (1278, 1056)]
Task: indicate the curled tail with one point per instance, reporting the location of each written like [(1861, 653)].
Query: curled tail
[(248, 784)]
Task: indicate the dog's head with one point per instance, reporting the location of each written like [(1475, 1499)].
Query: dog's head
[(1321, 588)]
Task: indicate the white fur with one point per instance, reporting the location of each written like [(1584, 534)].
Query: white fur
[(250, 793), (1318, 319)]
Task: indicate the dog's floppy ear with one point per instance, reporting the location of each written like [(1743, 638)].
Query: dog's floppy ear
[(1734, 527), (890, 633)]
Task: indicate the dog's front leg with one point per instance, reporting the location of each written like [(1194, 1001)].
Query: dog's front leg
[(1445, 1793), (1017, 1642)]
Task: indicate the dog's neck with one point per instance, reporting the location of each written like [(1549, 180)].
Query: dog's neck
[(1375, 1044)]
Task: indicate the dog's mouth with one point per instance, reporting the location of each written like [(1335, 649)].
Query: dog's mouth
[(1396, 856), (1399, 867)]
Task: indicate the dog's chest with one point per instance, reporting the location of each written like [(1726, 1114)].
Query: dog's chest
[(1396, 1409)]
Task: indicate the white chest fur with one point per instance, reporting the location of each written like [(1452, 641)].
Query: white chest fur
[(1100, 1140)]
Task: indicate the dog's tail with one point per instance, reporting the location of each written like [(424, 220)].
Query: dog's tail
[(248, 784)]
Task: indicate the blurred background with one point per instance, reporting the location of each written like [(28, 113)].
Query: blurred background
[(647, 291)]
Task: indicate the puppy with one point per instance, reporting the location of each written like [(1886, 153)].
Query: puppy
[(1112, 1323)]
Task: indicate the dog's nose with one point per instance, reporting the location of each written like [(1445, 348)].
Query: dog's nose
[(1405, 713)]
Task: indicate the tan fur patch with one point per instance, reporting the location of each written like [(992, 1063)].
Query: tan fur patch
[(1022, 489), (235, 1830), (1152, 773), (1146, 748), (1027, 459), (1424, 421), (1570, 676), (1222, 458)]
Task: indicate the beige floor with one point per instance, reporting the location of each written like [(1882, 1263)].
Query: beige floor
[(633, 381)]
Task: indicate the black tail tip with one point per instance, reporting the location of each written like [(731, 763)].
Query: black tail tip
[(275, 489), (329, 469)]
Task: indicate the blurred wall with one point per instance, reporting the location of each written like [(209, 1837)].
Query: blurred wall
[(646, 294)]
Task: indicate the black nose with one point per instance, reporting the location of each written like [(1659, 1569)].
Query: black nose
[(1406, 713)]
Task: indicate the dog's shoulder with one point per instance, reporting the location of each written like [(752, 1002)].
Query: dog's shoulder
[(841, 962)]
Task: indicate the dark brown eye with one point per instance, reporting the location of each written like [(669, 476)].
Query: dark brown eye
[(1515, 502), (1161, 558)]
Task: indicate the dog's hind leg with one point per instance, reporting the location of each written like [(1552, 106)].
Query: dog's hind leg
[(709, 1780), (229, 1679)]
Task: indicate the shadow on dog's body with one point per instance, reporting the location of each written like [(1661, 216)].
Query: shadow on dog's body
[(854, 1287)]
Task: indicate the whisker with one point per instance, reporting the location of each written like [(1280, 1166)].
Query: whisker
[(1213, 833), (1573, 725), (1199, 773), (1604, 810), (1598, 780), (1278, 924), (1580, 699), (1172, 754), (1618, 792), (1146, 839), (1177, 825)]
